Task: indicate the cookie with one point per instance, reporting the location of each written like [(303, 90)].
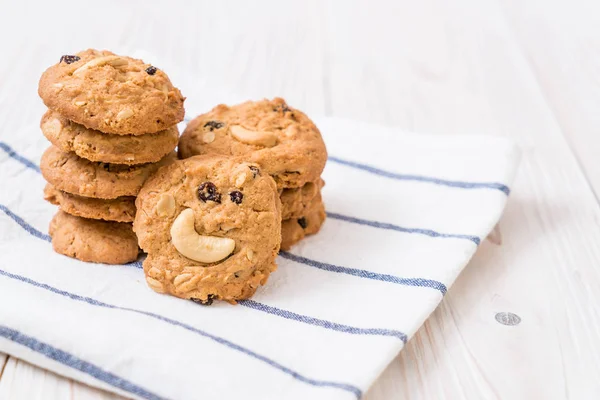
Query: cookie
[(294, 202), (121, 209), (103, 147), (92, 240), (72, 174), (295, 229), (211, 227), (111, 93), (283, 140)]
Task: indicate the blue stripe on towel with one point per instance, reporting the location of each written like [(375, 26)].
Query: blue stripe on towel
[(419, 178), (74, 362), (12, 153), (321, 322), (420, 282), (30, 229), (296, 375), (34, 232), (249, 303), (401, 177), (375, 224), (385, 225)]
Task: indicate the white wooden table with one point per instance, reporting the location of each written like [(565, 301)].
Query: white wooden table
[(525, 69)]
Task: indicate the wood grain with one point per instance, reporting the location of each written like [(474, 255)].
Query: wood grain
[(3, 359), (22, 380), (561, 43), (527, 70)]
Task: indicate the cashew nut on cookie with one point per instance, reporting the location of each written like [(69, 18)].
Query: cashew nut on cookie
[(188, 242)]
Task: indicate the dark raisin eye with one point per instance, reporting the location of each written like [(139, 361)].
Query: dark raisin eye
[(208, 191), (69, 59), (151, 70), (236, 197), (255, 171), (214, 125), (209, 300), (302, 222)]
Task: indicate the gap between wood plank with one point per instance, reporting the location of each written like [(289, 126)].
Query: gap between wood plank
[(3, 362)]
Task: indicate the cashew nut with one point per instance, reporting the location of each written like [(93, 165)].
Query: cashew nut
[(262, 138), (125, 113), (52, 127), (166, 206), (208, 137), (115, 61), (205, 249)]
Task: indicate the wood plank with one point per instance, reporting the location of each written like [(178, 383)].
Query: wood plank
[(454, 69), (22, 380), (561, 44)]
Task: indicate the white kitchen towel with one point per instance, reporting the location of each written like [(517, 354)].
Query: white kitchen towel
[(405, 214)]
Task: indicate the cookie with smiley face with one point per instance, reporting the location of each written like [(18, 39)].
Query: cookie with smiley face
[(282, 140), (211, 227)]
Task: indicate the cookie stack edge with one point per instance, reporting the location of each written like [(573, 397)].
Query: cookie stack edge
[(111, 121)]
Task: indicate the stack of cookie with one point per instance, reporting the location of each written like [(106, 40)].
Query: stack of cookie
[(283, 141), (112, 123)]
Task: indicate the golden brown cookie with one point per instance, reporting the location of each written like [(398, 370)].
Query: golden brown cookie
[(103, 147), (111, 93), (121, 209), (283, 140), (295, 229), (72, 174), (294, 202), (211, 227), (92, 240)]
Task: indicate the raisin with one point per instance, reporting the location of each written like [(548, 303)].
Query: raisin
[(236, 197), (69, 59), (302, 222), (208, 191), (151, 70), (255, 171), (209, 300), (282, 107), (214, 125)]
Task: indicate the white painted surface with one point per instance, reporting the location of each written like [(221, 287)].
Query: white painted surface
[(529, 70)]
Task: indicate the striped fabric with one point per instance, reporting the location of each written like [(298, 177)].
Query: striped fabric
[(405, 215)]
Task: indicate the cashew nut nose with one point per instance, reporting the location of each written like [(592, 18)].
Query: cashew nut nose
[(205, 249)]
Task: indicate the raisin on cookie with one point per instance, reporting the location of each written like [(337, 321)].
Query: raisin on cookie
[(72, 174), (111, 93), (103, 147), (93, 240), (282, 140), (211, 227), (121, 209)]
